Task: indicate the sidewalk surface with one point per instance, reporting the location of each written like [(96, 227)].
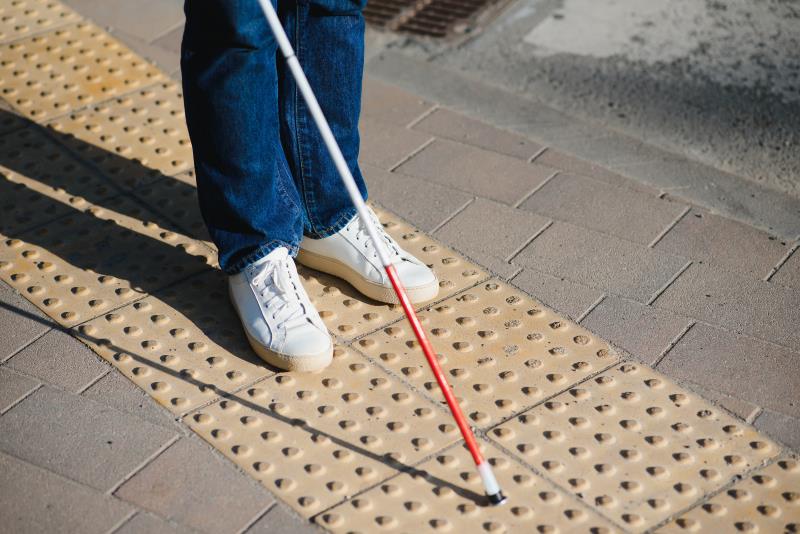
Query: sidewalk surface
[(627, 354)]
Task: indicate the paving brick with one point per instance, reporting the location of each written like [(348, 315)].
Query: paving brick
[(167, 60), (481, 172), (560, 294), (780, 427), (610, 148), (487, 228), (78, 438), (189, 484), (384, 144), (737, 406), (723, 242), (13, 386), (600, 261), (743, 367), (120, 393), (457, 127), (423, 203), (20, 322), (789, 272), (389, 103), (739, 303), (144, 523), (618, 211), (60, 359), (145, 19), (642, 330), (38, 501), (171, 41), (281, 520)]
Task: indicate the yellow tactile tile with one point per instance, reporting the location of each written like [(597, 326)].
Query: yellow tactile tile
[(54, 72), (502, 352), (39, 181), (92, 261), (315, 439), (135, 138), (19, 18), (184, 347), (766, 501), (634, 445), (445, 494)]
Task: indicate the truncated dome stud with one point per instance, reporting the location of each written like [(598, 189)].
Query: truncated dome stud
[(493, 491)]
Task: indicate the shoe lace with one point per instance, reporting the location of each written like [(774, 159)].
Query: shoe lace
[(362, 236), (278, 289)]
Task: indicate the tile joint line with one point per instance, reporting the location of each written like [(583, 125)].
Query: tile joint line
[(538, 154), (533, 191), (671, 345), (413, 153), (136, 470), (21, 399), (590, 309), (669, 227), (453, 215), (530, 240), (782, 262), (124, 521), (258, 517), (669, 283), (425, 114)]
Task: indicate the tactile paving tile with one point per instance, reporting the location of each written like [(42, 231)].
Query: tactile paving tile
[(135, 138), (10, 120), (67, 68), (634, 445), (315, 439), (445, 494), (767, 501), (184, 347), (92, 261), (19, 18), (42, 181), (501, 351)]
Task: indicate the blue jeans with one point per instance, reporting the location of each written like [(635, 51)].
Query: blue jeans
[(264, 177)]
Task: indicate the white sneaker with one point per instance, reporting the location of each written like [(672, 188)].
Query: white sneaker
[(350, 255), (280, 322)]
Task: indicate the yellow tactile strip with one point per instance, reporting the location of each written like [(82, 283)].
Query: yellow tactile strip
[(67, 68), (634, 445), (502, 351), (766, 501), (445, 494), (315, 439), (19, 18)]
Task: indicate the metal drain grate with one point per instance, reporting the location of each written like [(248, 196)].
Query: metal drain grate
[(429, 18)]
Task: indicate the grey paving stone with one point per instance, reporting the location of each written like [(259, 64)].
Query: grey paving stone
[(573, 165), (457, 127), (118, 392), (145, 19), (481, 172), (421, 202), (384, 144), (642, 330), (144, 523), (739, 303), (618, 211), (38, 501), (386, 102), (282, 520), (780, 427), (60, 359), (78, 438), (612, 148), (189, 484), (167, 60), (560, 294), (789, 272), (20, 322), (13, 386), (171, 41), (600, 261), (743, 367), (737, 406), (725, 243)]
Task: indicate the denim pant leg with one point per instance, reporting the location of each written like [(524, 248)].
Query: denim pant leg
[(328, 37), (247, 195)]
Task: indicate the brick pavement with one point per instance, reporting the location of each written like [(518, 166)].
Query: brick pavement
[(708, 301)]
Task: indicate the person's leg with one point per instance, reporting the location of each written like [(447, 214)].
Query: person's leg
[(230, 82), (328, 38)]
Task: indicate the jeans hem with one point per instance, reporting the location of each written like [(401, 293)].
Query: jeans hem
[(259, 253), (344, 219)]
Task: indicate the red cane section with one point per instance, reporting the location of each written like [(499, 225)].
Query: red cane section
[(427, 348)]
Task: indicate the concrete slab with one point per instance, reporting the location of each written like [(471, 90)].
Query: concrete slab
[(13, 387), (481, 172), (781, 427), (189, 484), (385, 145), (20, 322), (561, 294), (79, 438), (601, 261), (38, 501), (61, 360), (739, 303), (742, 367), (146, 19), (642, 330)]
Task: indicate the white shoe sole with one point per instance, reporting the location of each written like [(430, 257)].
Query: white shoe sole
[(305, 363), (366, 287)]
